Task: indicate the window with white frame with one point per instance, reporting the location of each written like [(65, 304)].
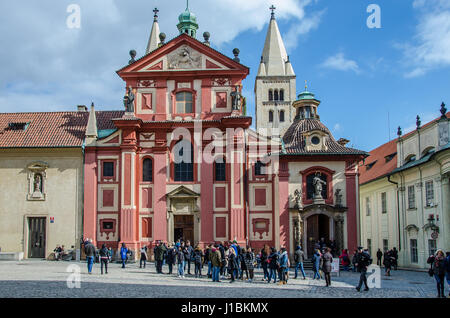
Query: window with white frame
[(411, 197), (429, 193), (383, 203), (385, 246), (368, 211)]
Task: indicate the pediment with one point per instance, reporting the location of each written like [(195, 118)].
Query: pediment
[(183, 53), (182, 192)]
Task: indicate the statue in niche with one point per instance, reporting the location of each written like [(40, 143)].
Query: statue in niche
[(128, 101), (37, 183), (338, 197), (318, 184), (236, 99)]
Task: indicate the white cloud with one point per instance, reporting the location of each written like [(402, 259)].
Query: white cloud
[(307, 24), (431, 48), (337, 127), (47, 66), (340, 63)]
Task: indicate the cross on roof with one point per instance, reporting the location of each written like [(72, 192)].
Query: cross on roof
[(156, 12), (272, 8)]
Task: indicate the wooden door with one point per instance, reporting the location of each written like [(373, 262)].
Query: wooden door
[(312, 233), (184, 226), (36, 237)]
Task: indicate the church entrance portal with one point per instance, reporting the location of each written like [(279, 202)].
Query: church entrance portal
[(184, 228), (318, 227)]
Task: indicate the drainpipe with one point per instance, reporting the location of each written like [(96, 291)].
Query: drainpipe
[(398, 212), (247, 219)]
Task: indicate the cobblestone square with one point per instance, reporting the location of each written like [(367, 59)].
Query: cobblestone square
[(44, 279)]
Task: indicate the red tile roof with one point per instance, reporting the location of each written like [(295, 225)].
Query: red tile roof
[(50, 129), (375, 166)]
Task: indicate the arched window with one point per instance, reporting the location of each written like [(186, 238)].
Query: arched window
[(270, 116), (147, 170), (183, 157), (410, 158), (282, 94), (427, 151), (281, 115), (220, 169), (184, 103), (275, 94), (270, 95)]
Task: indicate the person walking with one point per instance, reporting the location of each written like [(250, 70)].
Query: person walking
[(207, 260), (387, 262), (394, 254), (299, 258), (123, 254), (180, 262), (317, 258), (232, 263), (198, 258), (273, 265), (437, 262), (326, 267), (447, 271), (89, 249), (379, 257), (250, 264), (363, 261), (265, 252), (143, 258), (345, 260), (283, 266), (104, 258)]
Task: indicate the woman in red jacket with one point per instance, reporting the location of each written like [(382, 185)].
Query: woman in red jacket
[(345, 260)]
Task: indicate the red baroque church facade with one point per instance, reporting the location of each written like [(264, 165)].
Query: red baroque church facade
[(181, 161)]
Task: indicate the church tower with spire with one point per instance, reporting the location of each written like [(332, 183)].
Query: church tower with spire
[(275, 85)]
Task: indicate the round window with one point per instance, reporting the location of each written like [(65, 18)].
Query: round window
[(315, 140)]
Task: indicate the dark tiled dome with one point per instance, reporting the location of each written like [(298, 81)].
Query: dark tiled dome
[(295, 142)]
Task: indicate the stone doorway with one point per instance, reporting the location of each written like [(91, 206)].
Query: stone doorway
[(184, 228), (318, 226), (36, 237)]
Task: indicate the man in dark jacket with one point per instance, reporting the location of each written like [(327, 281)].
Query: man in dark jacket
[(188, 253), (89, 249), (395, 258), (379, 257), (363, 261), (159, 257)]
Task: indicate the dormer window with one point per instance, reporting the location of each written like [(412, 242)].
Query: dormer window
[(18, 126), (390, 157), (410, 158), (370, 165), (428, 151)]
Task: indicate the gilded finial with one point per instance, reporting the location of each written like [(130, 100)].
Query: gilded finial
[(306, 85)]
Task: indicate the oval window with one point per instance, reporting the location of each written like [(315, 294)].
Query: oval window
[(315, 140)]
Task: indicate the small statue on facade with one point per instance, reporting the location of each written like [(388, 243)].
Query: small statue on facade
[(37, 183), (298, 197), (318, 186), (236, 99), (338, 197), (128, 101)]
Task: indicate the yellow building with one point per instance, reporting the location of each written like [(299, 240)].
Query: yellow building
[(405, 194)]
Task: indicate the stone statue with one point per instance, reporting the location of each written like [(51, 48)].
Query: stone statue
[(236, 99), (37, 183), (318, 185), (338, 196), (184, 58), (128, 101), (298, 197)]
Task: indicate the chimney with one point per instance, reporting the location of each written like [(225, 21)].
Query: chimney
[(82, 108), (343, 141)]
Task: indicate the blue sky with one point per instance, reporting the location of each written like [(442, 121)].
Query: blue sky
[(361, 75)]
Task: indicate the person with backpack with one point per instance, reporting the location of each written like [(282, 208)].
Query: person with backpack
[(216, 263), (299, 258), (345, 260), (273, 265), (198, 257), (317, 259), (283, 266), (123, 254), (363, 261), (438, 268), (326, 267), (143, 258)]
